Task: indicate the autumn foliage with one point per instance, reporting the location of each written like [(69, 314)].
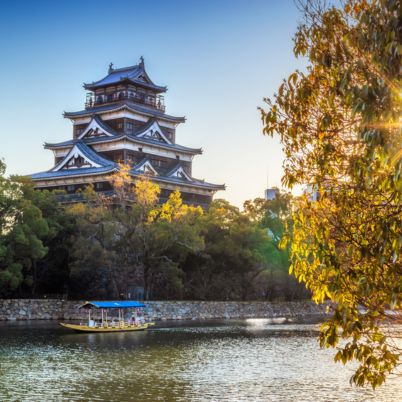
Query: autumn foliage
[(339, 123)]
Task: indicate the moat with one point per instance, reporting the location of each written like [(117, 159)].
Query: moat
[(227, 360)]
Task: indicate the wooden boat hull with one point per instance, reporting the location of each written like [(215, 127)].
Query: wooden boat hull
[(125, 328)]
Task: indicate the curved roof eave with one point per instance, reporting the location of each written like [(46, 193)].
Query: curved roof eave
[(104, 125), (132, 107), (196, 183), (78, 172), (130, 74), (156, 88), (105, 139), (100, 171), (88, 153), (55, 145)]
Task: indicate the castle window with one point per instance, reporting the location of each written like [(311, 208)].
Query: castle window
[(177, 156), (70, 189), (140, 149), (158, 162)]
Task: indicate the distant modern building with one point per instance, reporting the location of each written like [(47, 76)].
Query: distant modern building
[(271, 193), (124, 120)]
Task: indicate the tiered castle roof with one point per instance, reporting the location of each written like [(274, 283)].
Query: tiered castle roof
[(125, 105), (141, 136), (124, 96), (133, 74)]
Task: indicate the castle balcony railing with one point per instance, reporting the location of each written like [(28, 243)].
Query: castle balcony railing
[(156, 102)]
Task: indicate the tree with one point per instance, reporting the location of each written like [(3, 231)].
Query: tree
[(274, 216), (94, 267), (232, 261), (339, 123), (9, 195), (130, 239), (166, 233), (51, 272), (21, 233)]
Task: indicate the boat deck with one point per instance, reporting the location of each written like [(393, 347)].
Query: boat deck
[(107, 328)]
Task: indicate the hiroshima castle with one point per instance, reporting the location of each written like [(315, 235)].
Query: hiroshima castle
[(124, 121)]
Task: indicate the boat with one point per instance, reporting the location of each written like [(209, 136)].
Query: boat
[(105, 324)]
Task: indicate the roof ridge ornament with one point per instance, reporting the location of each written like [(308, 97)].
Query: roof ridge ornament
[(110, 68), (141, 63)]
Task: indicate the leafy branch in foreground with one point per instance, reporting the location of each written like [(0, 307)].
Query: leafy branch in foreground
[(339, 123)]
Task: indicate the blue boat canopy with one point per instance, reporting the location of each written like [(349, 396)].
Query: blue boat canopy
[(113, 304)]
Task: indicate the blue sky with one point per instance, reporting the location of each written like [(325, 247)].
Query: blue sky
[(218, 58)]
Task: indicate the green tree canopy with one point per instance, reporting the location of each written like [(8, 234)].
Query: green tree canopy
[(22, 231), (274, 217), (231, 265)]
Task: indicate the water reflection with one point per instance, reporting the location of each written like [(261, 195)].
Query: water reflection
[(217, 361)]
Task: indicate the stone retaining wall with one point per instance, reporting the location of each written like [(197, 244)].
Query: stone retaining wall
[(45, 309)]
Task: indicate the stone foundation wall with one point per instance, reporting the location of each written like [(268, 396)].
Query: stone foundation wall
[(45, 309)]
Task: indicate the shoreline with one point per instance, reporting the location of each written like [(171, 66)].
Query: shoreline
[(68, 310)]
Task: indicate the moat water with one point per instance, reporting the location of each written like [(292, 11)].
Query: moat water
[(246, 360)]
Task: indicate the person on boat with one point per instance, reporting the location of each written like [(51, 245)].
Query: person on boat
[(136, 320), (140, 319), (131, 321)]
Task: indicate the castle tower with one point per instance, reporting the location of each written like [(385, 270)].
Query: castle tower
[(124, 120)]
